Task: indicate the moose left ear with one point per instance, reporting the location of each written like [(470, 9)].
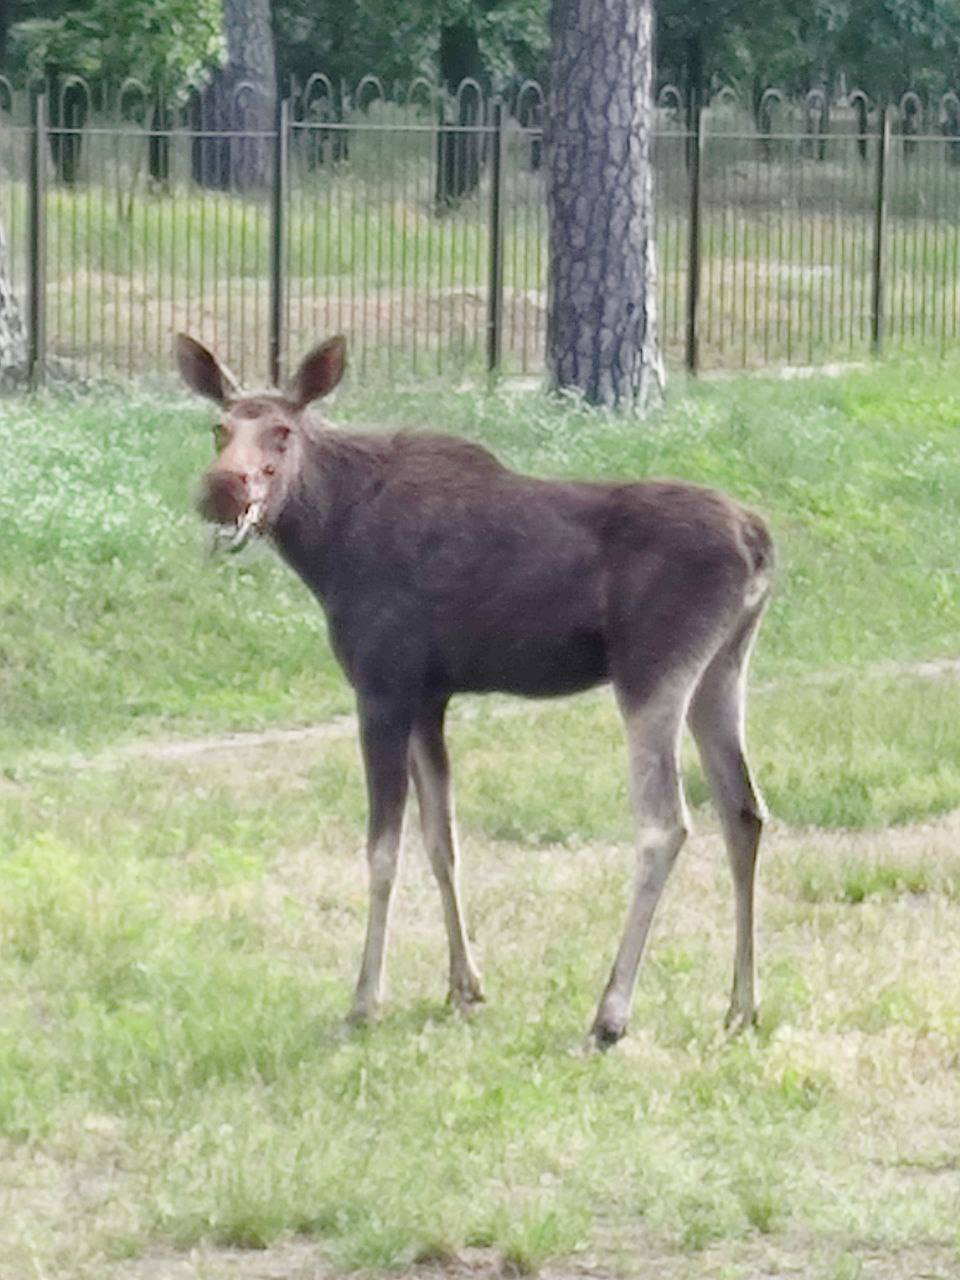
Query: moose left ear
[(319, 372)]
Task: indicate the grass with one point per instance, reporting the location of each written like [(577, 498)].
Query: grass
[(178, 936)]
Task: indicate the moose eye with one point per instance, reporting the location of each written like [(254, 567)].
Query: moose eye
[(220, 436), (280, 436)]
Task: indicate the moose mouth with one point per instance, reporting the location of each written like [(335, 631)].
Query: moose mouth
[(234, 537)]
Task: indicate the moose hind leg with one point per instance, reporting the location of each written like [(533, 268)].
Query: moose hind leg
[(430, 768), (653, 737), (717, 722)]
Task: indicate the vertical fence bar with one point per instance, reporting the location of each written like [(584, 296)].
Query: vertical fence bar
[(36, 245), (879, 236), (495, 287), (278, 195), (695, 145)]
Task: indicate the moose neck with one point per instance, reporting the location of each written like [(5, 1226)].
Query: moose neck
[(336, 470)]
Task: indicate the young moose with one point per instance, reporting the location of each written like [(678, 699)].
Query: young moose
[(441, 572)]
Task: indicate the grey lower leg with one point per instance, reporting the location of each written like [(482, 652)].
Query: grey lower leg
[(431, 775), (384, 737), (661, 830), (382, 858), (716, 719)]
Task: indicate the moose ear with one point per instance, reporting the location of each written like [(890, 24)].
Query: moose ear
[(202, 372), (319, 372)]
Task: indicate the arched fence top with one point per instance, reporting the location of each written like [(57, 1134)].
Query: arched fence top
[(248, 96), (316, 97), (528, 104), (670, 102), (7, 96), (910, 112), (128, 90), (468, 89), (408, 96), (68, 87), (769, 97), (75, 103), (859, 100), (726, 96), (374, 86)]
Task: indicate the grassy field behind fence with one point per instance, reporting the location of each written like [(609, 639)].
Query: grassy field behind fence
[(178, 934), (787, 241)]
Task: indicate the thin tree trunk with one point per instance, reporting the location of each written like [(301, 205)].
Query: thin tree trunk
[(240, 98), (458, 148), (602, 333), (13, 339)]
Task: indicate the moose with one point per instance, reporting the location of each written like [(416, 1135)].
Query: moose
[(441, 571)]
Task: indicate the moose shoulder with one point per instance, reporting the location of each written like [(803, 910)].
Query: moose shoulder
[(441, 571)]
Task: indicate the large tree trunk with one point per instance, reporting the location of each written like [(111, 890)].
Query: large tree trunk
[(13, 340), (241, 97), (602, 334)]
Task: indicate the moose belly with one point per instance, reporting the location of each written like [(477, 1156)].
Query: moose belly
[(532, 666)]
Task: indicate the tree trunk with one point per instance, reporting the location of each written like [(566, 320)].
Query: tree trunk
[(458, 147), (67, 106), (240, 98), (13, 340), (602, 333)]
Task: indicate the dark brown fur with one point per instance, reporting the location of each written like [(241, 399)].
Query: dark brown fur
[(441, 571)]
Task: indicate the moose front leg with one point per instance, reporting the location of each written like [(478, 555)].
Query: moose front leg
[(384, 736), (430, 767)]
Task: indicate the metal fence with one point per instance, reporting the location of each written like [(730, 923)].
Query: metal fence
[(415, 223)]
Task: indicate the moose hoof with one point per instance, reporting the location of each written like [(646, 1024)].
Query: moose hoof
[(465, 999), (740, 1020), (604, 1035), (363, 1014)]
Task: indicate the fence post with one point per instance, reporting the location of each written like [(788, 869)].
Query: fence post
[(278, 195), (879, 233), (495, 283), (695, 152), (36, 245)]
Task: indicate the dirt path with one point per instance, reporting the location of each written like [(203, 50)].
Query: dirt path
[(760, 1260)]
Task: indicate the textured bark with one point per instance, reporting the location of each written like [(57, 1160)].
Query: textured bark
[(602, 333), (13, 341), (227, 104)]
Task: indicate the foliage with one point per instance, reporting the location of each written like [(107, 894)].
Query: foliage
[(882, 46), (164, 42), (399, 39)]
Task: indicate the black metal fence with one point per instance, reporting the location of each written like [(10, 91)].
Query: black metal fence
[(787, 232)]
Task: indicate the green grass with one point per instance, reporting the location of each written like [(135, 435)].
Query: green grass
[(178, 944), (178, 937), (115, 625)]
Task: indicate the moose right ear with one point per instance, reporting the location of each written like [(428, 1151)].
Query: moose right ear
[(202, 372)]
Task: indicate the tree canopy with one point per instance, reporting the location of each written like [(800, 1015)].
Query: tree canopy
[(163, 42), (881, 46)]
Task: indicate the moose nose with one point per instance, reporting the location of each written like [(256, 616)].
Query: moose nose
[(223, 497)]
